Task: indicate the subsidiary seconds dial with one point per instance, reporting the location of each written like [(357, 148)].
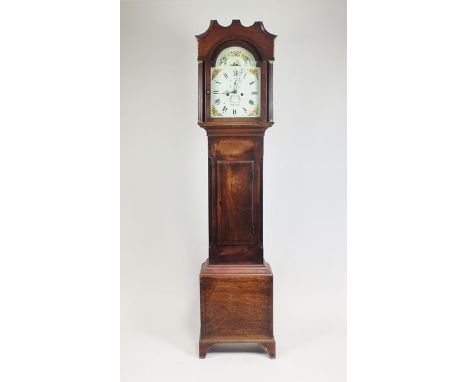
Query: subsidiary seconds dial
[(235, 85)]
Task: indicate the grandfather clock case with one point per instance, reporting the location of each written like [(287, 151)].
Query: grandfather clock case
[(235, 74)]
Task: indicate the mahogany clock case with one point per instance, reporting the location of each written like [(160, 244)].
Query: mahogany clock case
[(236, 285), (165, 192)]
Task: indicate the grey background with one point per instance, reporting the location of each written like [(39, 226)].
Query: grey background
[(164, 203)]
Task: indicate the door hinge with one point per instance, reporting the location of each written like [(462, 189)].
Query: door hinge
[(253, 229)]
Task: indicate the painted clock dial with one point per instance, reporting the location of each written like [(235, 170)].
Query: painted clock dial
[(235, 85)]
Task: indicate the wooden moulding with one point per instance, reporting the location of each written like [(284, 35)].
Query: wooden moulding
[(216, 34), (236, 306)]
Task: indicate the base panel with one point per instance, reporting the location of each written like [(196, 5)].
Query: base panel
[(236, 306)]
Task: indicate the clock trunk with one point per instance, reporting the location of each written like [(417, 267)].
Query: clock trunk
[(235, 198)]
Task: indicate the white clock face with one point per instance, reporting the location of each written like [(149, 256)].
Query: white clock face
[(235, 85)]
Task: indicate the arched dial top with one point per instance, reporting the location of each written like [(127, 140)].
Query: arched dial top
[(235, 84), (235, 56)]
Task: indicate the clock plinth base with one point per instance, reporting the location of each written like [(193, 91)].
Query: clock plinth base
[(236, 306), (269, 346)]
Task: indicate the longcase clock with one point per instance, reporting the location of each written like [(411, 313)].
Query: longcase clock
[(235, 73)]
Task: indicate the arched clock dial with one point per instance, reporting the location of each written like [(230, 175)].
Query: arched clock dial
[(235, 85)]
